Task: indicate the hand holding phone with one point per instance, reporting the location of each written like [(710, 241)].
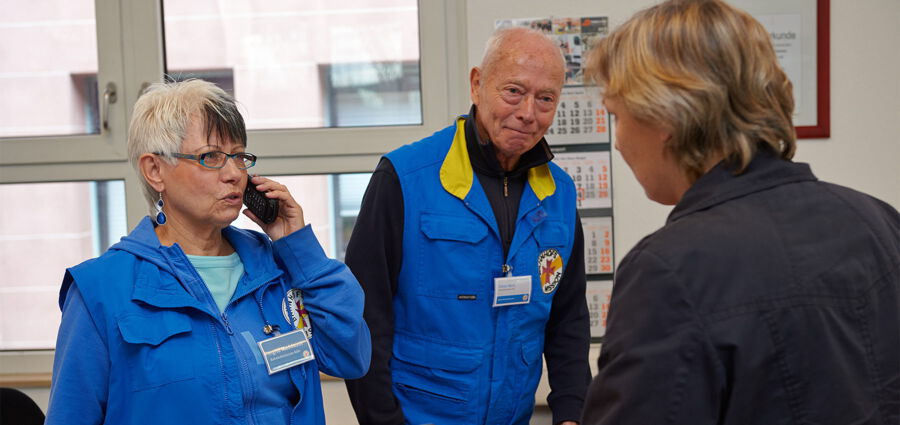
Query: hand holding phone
[(263, 208)]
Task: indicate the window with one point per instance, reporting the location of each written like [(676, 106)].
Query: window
[(348, 193), (39, 240), (370, 94), (330, 205), (103, 52), (86, 218), (44, 94), (366, 55)]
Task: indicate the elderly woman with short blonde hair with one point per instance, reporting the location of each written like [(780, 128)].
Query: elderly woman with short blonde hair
[(189, 320)]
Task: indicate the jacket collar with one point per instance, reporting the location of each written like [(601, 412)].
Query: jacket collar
[(151, 288), (484, 157), (457, 174), (721, 184), (256, 253)]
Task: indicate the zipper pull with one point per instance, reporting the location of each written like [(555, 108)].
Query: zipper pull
[(227, 325), (505, 187)]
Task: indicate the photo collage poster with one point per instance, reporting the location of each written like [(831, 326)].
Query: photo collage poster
[(580, 141)]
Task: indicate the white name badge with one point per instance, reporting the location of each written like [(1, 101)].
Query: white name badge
[(512, 290), (286, 351)]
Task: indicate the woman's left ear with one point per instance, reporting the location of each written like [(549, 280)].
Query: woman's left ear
[(666, 136), (151, 168)]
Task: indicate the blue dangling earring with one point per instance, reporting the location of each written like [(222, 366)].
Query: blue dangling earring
[(160, 215)]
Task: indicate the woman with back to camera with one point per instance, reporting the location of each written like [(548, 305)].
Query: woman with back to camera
[(190, 320), (768, 297)]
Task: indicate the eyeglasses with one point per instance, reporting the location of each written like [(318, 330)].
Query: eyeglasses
[(216, 159)]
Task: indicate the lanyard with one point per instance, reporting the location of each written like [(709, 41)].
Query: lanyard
[(269, 328)]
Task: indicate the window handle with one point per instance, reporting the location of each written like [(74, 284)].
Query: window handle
[(109, 97)]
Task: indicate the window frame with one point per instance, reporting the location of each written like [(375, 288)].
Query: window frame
[(103, 146), (127, 30)]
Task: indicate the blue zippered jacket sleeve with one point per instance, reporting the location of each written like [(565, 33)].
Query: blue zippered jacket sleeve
[(80, 386), (334, 300)]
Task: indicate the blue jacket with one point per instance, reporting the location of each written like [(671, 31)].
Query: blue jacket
[(141, 337), (456, 359), (769, 298)]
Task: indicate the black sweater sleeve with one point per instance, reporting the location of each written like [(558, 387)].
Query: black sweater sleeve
[(374, 255), (567, 338)]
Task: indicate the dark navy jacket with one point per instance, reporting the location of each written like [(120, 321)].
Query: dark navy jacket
[(767, 298)]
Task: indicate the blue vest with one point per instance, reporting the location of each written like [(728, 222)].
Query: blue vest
[(456, 359)]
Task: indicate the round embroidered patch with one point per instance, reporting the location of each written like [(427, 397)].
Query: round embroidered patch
[(550, 265), (294, 311)]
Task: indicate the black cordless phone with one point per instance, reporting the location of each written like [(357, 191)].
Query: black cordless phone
[(264, 208)]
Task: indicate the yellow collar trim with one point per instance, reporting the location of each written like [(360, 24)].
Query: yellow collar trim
[(457, 175), (456, 171), (541, 181)]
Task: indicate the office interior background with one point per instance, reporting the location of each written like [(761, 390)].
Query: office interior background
[(326, 88)]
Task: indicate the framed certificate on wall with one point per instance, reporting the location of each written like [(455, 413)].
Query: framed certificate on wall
[(801, 37)]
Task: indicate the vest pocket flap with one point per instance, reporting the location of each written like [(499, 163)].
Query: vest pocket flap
[(551, 233), (153, 328), (435, 355), (454, 228), (531, 351)]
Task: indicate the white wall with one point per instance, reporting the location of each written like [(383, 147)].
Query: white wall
[(864, 149)]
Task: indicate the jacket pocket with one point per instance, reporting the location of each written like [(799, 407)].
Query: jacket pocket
[(158, 348), (527, 374), (435, 378), (448, 227), (532, 350), (551, 234), (452, 257)]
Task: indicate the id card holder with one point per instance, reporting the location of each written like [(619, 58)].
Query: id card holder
[(512, 290), (285, 351)]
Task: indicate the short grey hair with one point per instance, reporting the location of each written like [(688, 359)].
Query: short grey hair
[(502, 35), (161, 116)]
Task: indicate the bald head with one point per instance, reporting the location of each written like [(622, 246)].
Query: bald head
[(516, 90), (513, 41)]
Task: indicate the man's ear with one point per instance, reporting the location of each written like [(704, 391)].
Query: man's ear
[(475, 84), (151, 168)]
